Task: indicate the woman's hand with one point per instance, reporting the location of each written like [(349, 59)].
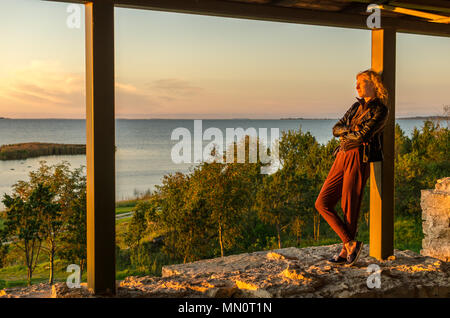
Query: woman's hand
[(343, 140), (340, 129)]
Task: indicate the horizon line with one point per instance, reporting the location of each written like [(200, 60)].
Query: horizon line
[(234, 118)]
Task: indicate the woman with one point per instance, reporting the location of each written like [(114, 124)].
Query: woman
[(359, 132)]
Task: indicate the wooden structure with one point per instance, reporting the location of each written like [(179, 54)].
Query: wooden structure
[(427, 17)]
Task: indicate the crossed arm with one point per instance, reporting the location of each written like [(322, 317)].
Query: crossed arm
[(341, 127), (374, 125)]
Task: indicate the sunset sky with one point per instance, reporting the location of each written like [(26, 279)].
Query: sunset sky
[(171, 65)]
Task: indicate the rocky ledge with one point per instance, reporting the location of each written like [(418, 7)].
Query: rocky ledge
[(288, 272)]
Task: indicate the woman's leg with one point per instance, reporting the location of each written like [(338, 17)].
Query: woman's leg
[(329, 196), (355, 177)]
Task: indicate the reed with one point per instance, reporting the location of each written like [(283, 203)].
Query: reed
[(37, 149)]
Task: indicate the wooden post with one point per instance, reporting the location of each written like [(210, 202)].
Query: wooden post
[(382, 173), (100, 142)]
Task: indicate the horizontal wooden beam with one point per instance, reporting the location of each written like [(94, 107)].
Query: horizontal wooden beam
[(252, 11), (267, 12), (69, 1), (432, 17), (438, 6)]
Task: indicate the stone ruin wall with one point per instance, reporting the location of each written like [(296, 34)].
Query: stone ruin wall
[(435, 206)]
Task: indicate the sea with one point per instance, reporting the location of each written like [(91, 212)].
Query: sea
[(144, 147)]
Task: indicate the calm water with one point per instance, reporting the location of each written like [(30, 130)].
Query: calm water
[(143, 146)]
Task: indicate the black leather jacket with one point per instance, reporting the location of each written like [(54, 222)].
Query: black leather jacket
[(369, 137)]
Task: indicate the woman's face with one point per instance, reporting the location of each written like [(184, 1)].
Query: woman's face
[(364, 87)]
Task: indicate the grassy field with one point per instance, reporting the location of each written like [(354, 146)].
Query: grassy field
[(127, 203), (125, 206), (12, 276), (125, 209)]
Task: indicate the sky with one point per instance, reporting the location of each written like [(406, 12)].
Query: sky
[(173, 65)]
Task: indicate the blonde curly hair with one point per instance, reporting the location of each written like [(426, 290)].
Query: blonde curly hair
[(375, 79)]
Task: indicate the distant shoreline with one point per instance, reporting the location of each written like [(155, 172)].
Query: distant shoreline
[(409, 118), (243, 118), (425, 117)]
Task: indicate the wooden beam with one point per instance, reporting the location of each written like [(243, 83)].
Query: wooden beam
[(432, 17), (382, 172), (275, 13), (70, 1), (267, 12), (438, 6), (100, 146)]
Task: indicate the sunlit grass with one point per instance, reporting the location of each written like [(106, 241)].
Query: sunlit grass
[(124, 209), (16, 275), (126, 203), (408, 234)]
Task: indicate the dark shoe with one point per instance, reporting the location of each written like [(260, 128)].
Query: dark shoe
[(353, 257), (337, 259)]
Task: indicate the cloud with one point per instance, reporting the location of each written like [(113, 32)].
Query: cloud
[(42, 84), (154, 98), (130, 100), (44, 88), (170, 89), (126, 88)]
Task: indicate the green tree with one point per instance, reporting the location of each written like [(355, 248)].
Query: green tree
[(24, 222), (69, 187), (402, 142), (182, 218), (227, 191), (207, 206), (306, 164), (3, 252), (43, 201), (420, 166), (296, 228), (278, 200), (137, 228), (138, 225), (74, 238)]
